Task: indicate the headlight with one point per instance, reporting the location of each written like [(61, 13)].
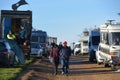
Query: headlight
[(114, 53)]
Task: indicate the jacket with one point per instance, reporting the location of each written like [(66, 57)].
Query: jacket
[(65, 53), (54, 53)]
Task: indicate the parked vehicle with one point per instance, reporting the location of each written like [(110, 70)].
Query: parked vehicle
[(36, 49), (40, 37), (77, 48), (84, 42), (109, 47), (11, 20), (94, 40), (7, 55), (98, 57)]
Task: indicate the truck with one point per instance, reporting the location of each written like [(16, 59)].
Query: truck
[(94, 40), (11, 20), (40, 37), (109, 46)]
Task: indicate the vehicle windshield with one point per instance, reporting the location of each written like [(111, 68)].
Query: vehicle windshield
[(35, 45), (77, 46), (2, 46), (116, 38), (95, 40), (85, 43)]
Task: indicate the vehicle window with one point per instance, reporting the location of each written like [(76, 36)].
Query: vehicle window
[(2, 46), (34, 45), (95, 40), (116, 38), (85, 43)]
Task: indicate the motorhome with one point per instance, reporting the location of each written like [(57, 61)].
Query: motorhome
[(94, 39), (84, 42), (109, 46)]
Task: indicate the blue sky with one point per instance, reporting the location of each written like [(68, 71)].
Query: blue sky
[(66, 19)]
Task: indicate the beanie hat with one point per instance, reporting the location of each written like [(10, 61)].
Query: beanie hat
[(64, 42)]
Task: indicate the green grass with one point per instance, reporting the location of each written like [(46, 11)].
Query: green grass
[(12, 73)]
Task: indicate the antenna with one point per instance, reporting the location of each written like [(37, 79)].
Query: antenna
[(110, 21)]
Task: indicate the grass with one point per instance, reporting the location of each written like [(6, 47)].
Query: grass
[(12, 73)]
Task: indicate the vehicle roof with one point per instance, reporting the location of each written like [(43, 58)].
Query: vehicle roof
[(111, 28)]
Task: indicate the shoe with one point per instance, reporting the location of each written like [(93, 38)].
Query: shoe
[(66, 74)]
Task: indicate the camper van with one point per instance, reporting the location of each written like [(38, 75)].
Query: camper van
[(109, 46), (84, 42), (84, 45), (94, 39)]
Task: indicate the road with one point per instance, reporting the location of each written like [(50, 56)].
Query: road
[(80, 69)]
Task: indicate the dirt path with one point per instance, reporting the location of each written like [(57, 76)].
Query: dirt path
[(80, 69)]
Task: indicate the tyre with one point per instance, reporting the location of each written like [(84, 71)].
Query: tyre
[(113, 67), (106, 65), (99, 63)]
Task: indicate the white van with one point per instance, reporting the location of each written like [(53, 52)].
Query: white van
[(77, 48)]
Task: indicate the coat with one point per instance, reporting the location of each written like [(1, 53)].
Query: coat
[(54, 53)]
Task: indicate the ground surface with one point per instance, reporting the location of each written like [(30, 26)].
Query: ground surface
[(80, 69)]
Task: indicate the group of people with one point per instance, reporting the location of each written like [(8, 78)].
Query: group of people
[(21, 35), (60, 54)]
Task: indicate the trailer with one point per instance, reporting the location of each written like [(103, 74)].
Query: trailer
[(11, 21)]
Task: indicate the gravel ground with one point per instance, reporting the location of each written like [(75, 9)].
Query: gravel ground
[(80, 69)]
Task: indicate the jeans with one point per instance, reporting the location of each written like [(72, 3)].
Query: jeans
[(65, 66), (55, 65)]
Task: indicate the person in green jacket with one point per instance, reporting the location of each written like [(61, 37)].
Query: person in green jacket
[(22, 34)]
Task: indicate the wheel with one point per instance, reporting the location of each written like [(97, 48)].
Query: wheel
[(113, 67), (99, 63), (106, 65)]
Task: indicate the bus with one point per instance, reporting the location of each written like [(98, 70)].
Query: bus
[(40, 37)]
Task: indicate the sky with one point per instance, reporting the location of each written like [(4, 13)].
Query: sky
[(67, 19)]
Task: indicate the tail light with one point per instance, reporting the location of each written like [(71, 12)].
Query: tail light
[(5, 51)]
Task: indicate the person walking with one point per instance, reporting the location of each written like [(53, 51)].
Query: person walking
[(60, 46), (65, 54), (54, 54)]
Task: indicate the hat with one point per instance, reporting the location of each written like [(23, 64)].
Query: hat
[(64, 42)]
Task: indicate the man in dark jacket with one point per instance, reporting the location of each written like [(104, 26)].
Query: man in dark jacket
[(65, 53)]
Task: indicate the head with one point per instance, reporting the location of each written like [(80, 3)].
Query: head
[(10, 32), (21, 27), (60, 43), (65, 43), (53, 44)]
